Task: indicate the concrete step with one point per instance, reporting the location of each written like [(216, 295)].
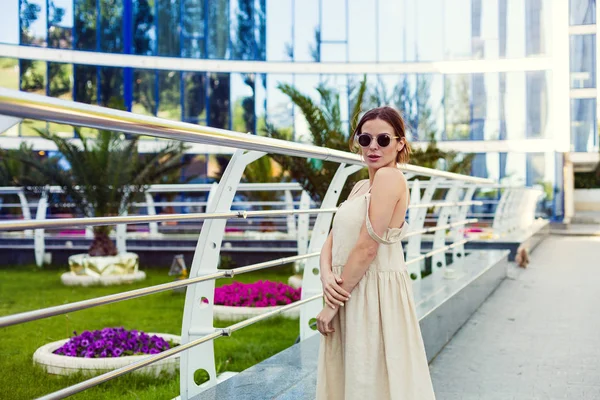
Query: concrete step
[(586, 218)]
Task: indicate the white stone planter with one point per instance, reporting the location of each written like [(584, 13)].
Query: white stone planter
[(86, 270), (64, 365), (229, 313), (295, 281), (71, 279)]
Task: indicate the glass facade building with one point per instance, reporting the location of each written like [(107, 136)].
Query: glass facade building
[(481, 76)]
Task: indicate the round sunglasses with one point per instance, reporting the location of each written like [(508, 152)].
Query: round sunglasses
[(383, 139)]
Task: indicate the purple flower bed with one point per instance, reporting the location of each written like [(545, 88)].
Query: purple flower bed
[(257, 294), (113, 342)]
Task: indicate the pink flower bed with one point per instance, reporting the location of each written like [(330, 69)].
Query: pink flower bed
[(257, 294)]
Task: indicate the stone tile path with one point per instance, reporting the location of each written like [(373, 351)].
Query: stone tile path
[(536, 337)]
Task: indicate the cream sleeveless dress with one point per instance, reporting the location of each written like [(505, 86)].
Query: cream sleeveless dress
[(376, 351)]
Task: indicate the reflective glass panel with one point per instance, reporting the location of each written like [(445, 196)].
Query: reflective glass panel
[(33, 22), (280, 110), (9, 78), (486, 165), (430, 95), (145, 90), (9, 23), (193, 18), (260, 21), (242, 102), (538, 20), (512, 28), (111, 87), (457, 35), (33, 80), (169, 106), (334, 52), (333, 17), (513, 167), (85, 24), (218, 100), (538, 99), (429, 27), (279, 28), (60, 29), (60, 77), (485, 124), (144, 29), (583, 61), (244, 45), (193, 48), (194, 96), (513, 105), (168, 28), (9, 73), (261, 102), (218, 29), (457, 95), (391, 31), (362, 31), (111, 31), (85, 81), (584, 136), (308, 84), (582, 12), (307, 34)]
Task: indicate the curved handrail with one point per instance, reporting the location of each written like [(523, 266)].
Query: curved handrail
[(32, 106)]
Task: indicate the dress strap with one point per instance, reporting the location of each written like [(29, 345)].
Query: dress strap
[(373, 234)]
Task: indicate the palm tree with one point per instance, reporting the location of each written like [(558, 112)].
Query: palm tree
[(105, 175), (15, 173), (327, 130)]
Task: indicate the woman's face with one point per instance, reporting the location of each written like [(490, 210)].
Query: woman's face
[(375, 155)]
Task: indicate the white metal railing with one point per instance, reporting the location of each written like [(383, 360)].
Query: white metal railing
[(284, 224), (198, 332)]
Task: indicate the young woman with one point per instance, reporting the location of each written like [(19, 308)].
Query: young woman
[(371, 346)]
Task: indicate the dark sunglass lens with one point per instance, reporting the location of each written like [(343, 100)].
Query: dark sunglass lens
[(364, 140), (383, 140)]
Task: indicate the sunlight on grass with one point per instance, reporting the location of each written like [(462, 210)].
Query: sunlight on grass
[(26, 288)]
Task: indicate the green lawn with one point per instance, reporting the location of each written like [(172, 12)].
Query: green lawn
[(26, 288)]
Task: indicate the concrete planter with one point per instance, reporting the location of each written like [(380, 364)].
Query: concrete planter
[(229, 313), (64, 365), (587, 199), (71, 279), (86, 270)]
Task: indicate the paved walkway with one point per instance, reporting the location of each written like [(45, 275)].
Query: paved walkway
[(536, 337)]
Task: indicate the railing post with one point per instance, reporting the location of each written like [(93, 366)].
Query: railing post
[(416, 219), (39, 244), (498, 226), (25, 210), (303, 224), (291, 219), (438, 260), (198, 309), (211, 196), (151, 210), (311, 283), (461, 215), (122, 236)]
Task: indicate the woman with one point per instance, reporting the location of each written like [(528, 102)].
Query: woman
[(371, 346)]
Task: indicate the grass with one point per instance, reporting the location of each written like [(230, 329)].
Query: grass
[(27, 288)]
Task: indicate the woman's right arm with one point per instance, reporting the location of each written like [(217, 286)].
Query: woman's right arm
[(332, 291)]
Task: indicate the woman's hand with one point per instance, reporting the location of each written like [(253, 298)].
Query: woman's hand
[(333, 293), (324, 320)]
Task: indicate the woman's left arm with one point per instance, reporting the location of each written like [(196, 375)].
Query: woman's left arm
[(388, 188)]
